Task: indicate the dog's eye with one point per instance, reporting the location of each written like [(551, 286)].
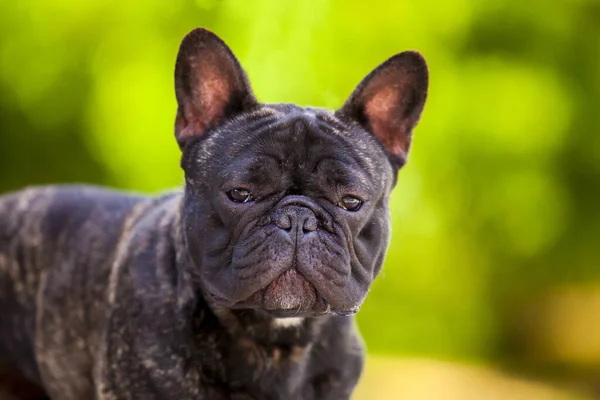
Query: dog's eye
[(240, 195), (350, 203)]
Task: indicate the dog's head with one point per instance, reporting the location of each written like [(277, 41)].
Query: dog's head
[(286, 207)]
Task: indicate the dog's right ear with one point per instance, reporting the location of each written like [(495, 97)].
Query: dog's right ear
[(210, 85)]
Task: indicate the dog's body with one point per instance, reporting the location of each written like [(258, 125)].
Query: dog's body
[(237, 288), (95, 303)]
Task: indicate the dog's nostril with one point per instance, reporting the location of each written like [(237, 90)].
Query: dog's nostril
[(310, 224), (284, 221)]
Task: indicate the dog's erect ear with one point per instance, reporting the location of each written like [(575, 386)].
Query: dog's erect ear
[(389, 101), (210, 85)]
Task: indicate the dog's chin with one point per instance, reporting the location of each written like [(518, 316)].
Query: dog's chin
[(289, 295), (292, 295)]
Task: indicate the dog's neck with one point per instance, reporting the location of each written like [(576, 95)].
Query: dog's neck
[(245, 349)]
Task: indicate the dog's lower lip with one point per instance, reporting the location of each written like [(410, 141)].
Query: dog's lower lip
[(290, 291)]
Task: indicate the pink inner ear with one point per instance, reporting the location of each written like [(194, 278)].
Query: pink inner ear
[(209, 102), (383, 110)]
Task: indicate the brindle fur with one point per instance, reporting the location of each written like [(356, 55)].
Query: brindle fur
[(97, 302)]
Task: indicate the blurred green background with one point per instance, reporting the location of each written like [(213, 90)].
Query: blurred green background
[(492, 283)]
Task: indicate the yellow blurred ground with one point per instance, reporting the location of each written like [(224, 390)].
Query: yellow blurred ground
[(421, 379)]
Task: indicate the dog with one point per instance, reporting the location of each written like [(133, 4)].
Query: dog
[(242, 285)]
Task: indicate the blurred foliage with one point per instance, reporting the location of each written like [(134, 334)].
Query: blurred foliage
[(494, 256)]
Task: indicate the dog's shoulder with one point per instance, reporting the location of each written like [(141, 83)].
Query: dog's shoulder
[(61, 205), (83, 224), (52, 211)]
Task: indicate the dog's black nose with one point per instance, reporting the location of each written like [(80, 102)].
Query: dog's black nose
[(296, 219)]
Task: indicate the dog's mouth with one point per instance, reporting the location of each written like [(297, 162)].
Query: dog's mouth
[(289, 295)]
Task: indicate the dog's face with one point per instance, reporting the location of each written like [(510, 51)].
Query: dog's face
[(286, 208)]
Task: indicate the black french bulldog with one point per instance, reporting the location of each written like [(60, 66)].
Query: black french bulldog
[(238, 288)]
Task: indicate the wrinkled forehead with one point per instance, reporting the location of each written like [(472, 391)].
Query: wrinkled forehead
[(281, 127), (290, 129), (294, 136)]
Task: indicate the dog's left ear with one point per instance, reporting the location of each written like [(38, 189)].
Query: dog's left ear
[(210, 85), (389, 101)]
